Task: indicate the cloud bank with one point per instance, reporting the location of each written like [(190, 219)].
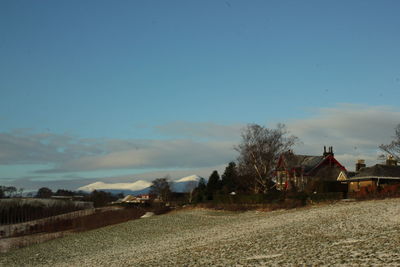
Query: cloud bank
[(202, 130), (355, 131), (154, 154)]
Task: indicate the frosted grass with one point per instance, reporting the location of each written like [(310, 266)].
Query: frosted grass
[(365, 233)]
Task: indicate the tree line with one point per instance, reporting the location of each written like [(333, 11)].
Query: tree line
[(259, 150), (10, 191), (99, 198), (252, 173)]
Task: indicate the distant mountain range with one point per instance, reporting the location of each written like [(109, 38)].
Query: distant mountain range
[(184, 184)]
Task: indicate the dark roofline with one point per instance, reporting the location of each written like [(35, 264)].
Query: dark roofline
[(379, 170), (328, 157), (282, 158), (282, 162), (366, 178)]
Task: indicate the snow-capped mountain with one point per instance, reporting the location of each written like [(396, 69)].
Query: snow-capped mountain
[(138, 185), (141, 187), (185, 184), (193, 178)]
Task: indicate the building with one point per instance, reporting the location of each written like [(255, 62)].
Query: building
[(134, 199), (144, 196), (374, 177), (310, 173)]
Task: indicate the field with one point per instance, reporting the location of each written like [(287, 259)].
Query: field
[(366, 233)]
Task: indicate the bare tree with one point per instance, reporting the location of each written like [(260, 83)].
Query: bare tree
[(21, 191), (190, 187), (10, 190), (259, 151), (161, 188), (44, 192), (393, 148)]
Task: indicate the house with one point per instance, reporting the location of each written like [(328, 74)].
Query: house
[(132, 199), (310, 173), (374, 177), (144, 197)]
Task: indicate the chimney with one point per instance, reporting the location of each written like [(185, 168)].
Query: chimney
[(391, 161), (329, 152), (360, 164)]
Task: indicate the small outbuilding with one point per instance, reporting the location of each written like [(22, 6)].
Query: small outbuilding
[(374, 177)]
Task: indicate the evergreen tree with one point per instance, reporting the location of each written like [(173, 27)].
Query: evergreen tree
[(213, 185), (202, 184), (229, 178), (200, 191)]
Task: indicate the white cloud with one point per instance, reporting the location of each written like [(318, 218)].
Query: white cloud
[(155, 154), (203, 130), (355, 131), (72, 154), (24, 147)]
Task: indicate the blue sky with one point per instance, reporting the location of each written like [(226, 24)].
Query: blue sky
[(91, 82)]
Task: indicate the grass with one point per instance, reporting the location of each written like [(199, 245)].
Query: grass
[(353, 233)]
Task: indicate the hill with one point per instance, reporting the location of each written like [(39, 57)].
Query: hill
[(345, 233)]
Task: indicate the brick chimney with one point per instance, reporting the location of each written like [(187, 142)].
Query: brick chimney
[(329, 152), (391, 161), (360, 164)]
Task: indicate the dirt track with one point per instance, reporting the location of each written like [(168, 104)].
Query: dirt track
[(366, 233)]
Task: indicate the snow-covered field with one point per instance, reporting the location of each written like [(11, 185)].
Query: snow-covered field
[(366, 233)]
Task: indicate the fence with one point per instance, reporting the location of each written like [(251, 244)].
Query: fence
[(13, 211), (24, 234), (41, 225)]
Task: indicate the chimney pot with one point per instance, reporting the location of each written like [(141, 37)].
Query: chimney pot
[(360, 164), (391, 161)]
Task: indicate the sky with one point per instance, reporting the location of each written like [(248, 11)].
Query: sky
[(126, 90)]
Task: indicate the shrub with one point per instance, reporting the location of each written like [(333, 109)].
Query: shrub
[(270, 197), (326, 196), (383, 191)]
